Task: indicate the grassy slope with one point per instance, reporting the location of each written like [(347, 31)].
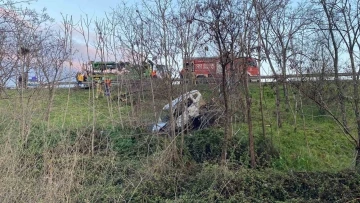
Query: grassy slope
[(128, 157), (311, 142), (316, 144)]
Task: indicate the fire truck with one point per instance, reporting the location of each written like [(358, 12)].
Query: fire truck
[(206, 67)]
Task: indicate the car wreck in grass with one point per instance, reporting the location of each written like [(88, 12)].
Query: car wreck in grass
[(189, 111)]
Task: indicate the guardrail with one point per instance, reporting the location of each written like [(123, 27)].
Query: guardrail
[(264, 78)]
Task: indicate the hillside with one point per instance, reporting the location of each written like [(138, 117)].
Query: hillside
[(101, 150)]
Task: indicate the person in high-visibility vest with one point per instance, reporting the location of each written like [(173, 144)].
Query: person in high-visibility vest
[(79, 78), (153, 74)]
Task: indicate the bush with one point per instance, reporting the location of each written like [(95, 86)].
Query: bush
[(206, 146), (216, 183), (134, 142)]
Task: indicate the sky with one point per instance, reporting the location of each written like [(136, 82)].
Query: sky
[(94, 9), (75, 8)]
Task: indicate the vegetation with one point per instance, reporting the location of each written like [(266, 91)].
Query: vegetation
[(131, 164), (280, 141)]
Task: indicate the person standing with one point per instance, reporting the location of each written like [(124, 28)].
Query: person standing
[(20, 81), (153, 74), (107, 86), (85, 76), (79, 78)]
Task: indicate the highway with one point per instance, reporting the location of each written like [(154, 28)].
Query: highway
[(264, 78)]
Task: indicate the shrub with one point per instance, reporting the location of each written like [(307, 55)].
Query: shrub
[(206, 145)]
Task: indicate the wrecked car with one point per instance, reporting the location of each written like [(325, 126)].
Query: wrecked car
[(189, 111)]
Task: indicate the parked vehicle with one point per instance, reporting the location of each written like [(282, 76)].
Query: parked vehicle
[(99, 71), (204, 67)]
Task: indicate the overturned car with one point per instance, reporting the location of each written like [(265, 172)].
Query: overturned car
[(189, 111)]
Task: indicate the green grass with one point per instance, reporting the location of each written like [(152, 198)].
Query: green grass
[(71, 108), (129, 163), (315, 144)]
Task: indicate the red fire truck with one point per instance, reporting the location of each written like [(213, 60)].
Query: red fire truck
[(204, 67)]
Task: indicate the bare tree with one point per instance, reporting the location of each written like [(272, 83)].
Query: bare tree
[(189, 36), (329, 29), (348, 29), (53, 51), (337, 23), (160, 12), (25, 27), (13, 21), (280, 26), (229, 29), (325, 47)]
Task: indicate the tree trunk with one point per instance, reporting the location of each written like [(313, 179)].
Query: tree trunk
[(284, 81), (249, 122), (356, 106), (340, 93), (227, 120), (49, 105), (357, 160), (278, 100)]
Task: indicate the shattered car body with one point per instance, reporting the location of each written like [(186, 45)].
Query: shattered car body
[(185, 109)]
